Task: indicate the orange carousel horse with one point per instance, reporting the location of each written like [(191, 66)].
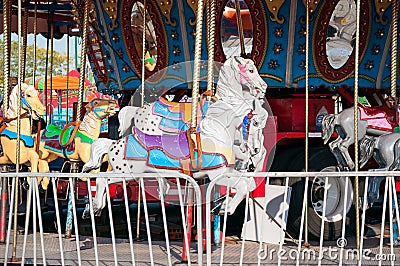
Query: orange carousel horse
[(31, 108), (74, 141)]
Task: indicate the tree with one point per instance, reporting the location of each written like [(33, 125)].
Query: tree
[(60, 61)]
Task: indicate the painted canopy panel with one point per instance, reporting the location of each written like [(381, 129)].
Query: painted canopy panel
[(278, 41)]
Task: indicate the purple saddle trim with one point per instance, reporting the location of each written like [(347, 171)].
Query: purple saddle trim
[(176, 146)]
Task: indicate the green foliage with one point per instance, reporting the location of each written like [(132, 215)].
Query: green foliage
[(60, 61)]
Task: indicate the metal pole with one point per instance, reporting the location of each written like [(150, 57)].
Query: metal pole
[(197, 57), (17, 159), (211, 43), (6, 68), (240, 29), (393, 59), (6, 52), (306, 122), (3, 208), (356, 64), (83, 60)]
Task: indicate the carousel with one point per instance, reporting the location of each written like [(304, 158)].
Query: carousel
[(198, 149)]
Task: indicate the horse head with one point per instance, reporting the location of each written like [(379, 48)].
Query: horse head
[(30, 102), (249, 77), (252, 128), (102, 108), (239, 75)]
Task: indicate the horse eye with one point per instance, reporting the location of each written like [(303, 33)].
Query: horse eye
[(255, 123), (251, 70)]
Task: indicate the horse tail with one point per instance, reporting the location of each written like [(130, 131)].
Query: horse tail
[(367, 146), (396, 164), (98, 149), (126, 120), (328, 126)]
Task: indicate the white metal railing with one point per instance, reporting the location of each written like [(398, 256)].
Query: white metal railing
[(260, 253), (120, 253), (320, 253)]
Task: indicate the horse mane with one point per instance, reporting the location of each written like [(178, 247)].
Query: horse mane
[(367, 146), (328, 126), (88, 122), (225, 81), (221, 114), (13, 99)]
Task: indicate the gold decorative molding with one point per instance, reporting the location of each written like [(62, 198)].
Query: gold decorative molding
[(380, 7), (193, 6), (274, 6), (166, 6), (111, 8), (312, 4)]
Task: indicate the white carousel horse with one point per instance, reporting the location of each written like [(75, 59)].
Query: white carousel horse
[(31, 108), (238, 78), (372, 121), (139, 153)]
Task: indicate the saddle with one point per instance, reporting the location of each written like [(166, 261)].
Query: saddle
[(26, 139), (56, 141), (176, 116), (376, 118), (170, 152)]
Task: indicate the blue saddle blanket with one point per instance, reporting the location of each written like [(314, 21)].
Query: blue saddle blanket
[(156, 155), (27, 140)]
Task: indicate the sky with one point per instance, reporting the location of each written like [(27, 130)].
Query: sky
[(59, 45)]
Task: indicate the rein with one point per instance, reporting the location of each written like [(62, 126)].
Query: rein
[(76, 125), (246, 125), (4, 120)]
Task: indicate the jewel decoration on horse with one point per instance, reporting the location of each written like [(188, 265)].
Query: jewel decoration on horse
[(31, 108), (74, 140)]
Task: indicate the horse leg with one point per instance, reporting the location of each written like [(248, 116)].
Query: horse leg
[(242, 186), (33, 158), (344, 150), (4, 160), (334, 147), (44, 168), (99, 199)]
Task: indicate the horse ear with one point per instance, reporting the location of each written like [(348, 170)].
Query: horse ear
[(237, 59), (88, 107)]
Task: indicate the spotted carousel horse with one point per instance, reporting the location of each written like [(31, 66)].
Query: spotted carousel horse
[(31, 108), (214, 155), (238, 79), (74, 141), (371, 121)]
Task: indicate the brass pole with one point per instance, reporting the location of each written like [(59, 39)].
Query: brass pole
[(83, 60), (18, 144), (240, 29), (393, 59), (306, 121), (356, 65), (6, 52)]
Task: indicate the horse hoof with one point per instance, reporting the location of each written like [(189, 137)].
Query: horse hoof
[(25, 184), (218, 210), (86, 214), (41, 189)]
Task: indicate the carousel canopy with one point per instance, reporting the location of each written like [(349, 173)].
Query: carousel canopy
[(60, 82), (59, 13)]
